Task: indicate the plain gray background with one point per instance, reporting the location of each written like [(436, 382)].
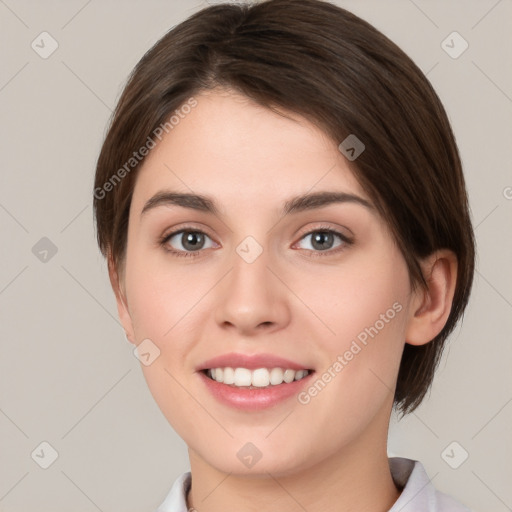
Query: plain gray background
[(69, 378)]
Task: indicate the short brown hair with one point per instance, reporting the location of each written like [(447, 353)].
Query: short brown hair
[(335, 69)]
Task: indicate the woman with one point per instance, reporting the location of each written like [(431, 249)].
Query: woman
[(282, 206)]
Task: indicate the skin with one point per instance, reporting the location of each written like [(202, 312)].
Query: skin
[(329, 454)]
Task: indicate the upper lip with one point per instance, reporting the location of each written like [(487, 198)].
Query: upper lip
[(251, 362)]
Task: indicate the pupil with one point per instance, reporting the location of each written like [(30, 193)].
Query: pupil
[(321, 238), (192, 240)]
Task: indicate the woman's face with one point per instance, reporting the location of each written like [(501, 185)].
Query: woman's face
[(318, 283)]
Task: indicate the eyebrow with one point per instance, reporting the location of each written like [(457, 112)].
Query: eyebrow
[(296, 204)]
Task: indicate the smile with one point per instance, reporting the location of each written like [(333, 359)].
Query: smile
[(257, 378)]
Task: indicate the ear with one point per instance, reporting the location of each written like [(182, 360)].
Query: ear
[(431, 307), (117, 283)]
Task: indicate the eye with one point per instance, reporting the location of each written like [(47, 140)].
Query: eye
[(324, 240), (185, 242), (190, 242)]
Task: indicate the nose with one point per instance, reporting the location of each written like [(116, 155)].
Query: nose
[(252, 299)]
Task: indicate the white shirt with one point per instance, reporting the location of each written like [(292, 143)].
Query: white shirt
[(418, 493)]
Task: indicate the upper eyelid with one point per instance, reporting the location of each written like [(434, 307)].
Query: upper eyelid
[(193, 229), (344, 238)]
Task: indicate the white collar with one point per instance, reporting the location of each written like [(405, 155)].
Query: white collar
[(418, 494)]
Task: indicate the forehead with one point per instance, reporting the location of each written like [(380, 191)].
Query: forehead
[(231, 148)]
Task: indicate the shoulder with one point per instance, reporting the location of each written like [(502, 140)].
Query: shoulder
[(176, 500), (418, 492)]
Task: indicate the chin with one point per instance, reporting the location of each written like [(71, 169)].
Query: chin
[(246, 459)]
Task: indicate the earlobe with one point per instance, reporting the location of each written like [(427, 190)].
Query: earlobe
[(122, 305), (432, 306)]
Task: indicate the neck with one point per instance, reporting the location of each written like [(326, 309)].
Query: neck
[(357, 477)]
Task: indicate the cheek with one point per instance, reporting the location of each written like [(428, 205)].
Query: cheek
[(162, 299), (164, 306), (369, 294), (365, 311)]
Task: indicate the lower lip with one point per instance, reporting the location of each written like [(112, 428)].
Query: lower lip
[(255, 399)]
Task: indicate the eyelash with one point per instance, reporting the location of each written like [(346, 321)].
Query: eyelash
[(189, 229)]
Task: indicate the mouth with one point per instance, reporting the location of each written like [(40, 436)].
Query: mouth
[(253, 382), (259, 378)]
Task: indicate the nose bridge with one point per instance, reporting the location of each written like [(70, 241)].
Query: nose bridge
[(250, 265), (250, 277), (251, 295)]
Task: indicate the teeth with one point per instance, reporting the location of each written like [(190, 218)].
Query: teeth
[(276, 376), (242, 377), (289, 376), (300, 374), (259, 378), (229, 376)]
